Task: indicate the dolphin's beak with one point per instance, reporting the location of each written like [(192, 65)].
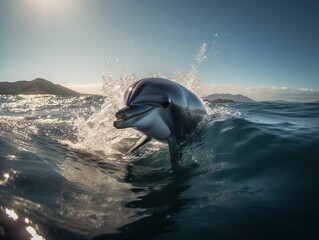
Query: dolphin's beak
[(127, 116)]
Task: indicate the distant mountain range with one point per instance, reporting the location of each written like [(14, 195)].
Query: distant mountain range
[(37, 86), (226, 98)]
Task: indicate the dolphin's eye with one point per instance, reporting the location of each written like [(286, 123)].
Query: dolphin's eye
[(163, 103), (167, 103)]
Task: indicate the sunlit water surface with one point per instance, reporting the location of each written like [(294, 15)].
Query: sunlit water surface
[(250, 171)]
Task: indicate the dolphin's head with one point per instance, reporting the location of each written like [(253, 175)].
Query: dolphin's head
[(145, 101)]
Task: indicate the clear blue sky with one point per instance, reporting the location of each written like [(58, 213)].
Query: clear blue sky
[(249, 42)]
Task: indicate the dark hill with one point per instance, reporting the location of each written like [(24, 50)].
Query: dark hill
[(37, 86), (228, 97), (216, 98)]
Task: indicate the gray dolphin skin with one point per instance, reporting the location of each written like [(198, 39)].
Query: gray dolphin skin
[(163, 110)]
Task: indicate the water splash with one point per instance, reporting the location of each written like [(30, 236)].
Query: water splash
[(96, 133), (201, 55)]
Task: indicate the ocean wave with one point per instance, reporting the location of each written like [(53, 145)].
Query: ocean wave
[(249, 162)]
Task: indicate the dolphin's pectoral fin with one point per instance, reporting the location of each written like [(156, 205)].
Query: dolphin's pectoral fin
[(175, 151), (143, 140)]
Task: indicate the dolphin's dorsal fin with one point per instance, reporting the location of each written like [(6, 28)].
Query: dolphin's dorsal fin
[(175, 151), (143, 140)]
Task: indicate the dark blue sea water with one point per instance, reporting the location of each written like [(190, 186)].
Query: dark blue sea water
[(250, 171)]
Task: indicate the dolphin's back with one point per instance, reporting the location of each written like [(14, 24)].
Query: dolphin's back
[(177, 93)]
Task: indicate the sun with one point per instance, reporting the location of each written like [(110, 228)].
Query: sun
[(50, 5), (48, 2)]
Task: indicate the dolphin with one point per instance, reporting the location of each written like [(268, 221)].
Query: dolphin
[(162, 110)]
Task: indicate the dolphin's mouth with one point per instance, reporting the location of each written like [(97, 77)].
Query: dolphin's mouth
[(126, 116)]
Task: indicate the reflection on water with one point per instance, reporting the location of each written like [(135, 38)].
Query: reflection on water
[(94, 194), (156, 209), (13, 227), (7, 177), (11, 214), (97, 199), (34, 235)]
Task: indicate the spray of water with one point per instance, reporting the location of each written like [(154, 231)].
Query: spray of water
[(97, 132)]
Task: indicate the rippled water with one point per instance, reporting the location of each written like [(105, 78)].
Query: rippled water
[(250, 171)]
